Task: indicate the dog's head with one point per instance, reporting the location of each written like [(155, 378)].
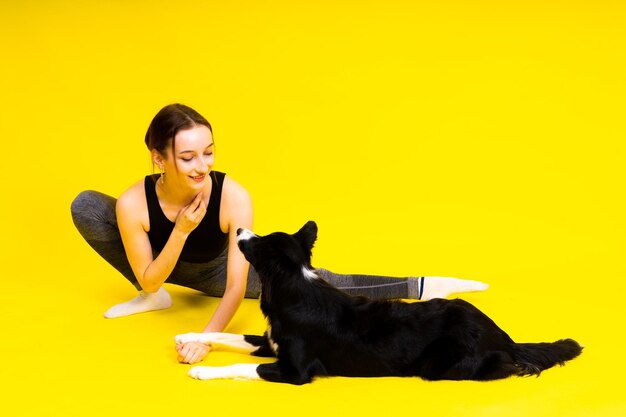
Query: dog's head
[(279, 253)]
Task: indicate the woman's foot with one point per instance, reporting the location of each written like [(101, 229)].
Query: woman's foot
[(145, 301), (427, 288)]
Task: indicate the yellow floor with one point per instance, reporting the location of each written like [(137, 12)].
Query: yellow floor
[(473, 139)]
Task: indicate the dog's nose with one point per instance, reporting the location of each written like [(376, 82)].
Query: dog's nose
[(244, 234)]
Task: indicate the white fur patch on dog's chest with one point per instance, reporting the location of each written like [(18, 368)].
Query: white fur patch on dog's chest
[(309, 274)]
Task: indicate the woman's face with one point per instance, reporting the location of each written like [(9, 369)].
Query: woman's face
[(192, 159)]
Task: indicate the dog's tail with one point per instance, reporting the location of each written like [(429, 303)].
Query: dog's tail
[(532, 358)]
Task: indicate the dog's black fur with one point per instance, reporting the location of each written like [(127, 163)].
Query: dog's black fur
[(318, 330)]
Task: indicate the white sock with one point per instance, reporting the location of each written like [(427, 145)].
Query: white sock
[(145, 301), (442, 287)]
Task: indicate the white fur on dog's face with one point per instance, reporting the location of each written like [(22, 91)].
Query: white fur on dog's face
[(245, 234)]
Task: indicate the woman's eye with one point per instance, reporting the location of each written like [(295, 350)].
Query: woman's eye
[(192, 157)]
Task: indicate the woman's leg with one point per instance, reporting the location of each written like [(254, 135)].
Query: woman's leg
[(94, 216), (210, 278), (382, 287)]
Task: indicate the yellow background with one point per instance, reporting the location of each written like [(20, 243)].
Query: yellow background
[(480, 139)]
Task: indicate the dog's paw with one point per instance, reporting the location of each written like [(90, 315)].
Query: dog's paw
[(203, 372), (192, 337)]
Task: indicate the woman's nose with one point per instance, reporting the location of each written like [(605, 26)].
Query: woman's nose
[(201, 166)]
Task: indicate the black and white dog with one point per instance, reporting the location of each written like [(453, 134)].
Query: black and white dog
[(315, 329)]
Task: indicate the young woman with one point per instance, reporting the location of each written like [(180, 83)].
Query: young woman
[(180, 226)]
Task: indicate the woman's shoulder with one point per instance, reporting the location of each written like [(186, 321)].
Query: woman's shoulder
[(234, 193), (236, 208)]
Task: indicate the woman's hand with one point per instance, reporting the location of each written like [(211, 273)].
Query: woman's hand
[(192, 352), (190, 216)]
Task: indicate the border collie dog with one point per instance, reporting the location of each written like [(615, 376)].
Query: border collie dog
[(315, 329)]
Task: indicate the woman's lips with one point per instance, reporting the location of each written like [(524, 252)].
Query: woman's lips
[(199, 178)]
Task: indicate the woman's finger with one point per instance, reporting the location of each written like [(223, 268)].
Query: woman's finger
[(196, 202), (193, 356), (201, 353), (183, 351), (192, 352), (202, 207)]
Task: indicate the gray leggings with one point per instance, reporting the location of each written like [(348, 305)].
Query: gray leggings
[(94, 216)]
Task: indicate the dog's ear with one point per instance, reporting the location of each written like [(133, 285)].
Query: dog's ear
[(308, 234)]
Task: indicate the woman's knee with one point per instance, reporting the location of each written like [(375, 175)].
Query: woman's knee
[(87, 202), (91, 209), (82, 202)]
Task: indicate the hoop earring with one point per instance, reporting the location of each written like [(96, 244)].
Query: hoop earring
[(162, 177)]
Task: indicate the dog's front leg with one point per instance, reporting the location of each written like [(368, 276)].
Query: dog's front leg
[(234, 342), (273, 372), (239, 371)]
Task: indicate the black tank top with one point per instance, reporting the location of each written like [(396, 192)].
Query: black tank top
[(206, 242)]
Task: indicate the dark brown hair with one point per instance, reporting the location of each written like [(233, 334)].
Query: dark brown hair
[(168, 122)]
